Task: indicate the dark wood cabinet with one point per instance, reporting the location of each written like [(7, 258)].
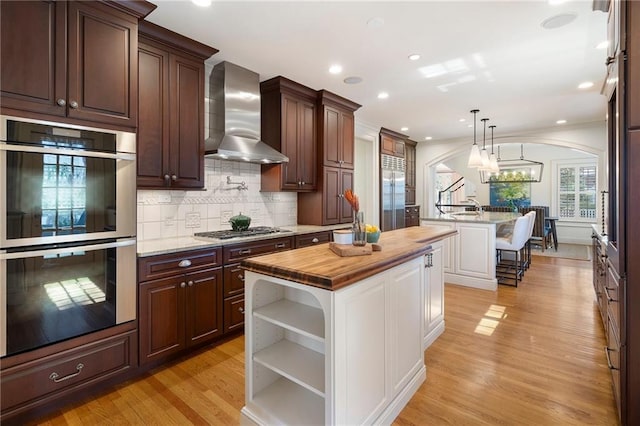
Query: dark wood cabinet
[(180, 302), (288, 124), (306, 240), (171, 120), (412, 216), (392, 143), (75, 61), (336, 130), (234, 276), (410, 174)]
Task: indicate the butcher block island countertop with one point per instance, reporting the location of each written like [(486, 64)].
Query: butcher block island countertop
[(318, 266)]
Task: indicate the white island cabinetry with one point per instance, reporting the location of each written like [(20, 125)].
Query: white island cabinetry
[(351, 356)]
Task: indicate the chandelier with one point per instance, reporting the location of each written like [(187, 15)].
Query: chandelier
[(514, 171)]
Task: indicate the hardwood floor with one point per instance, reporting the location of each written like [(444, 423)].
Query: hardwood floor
[(531, 355)]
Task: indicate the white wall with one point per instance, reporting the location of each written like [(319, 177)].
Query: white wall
[(367, 172), (545, 145)]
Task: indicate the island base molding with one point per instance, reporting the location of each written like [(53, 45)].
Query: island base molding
[(481, 283)]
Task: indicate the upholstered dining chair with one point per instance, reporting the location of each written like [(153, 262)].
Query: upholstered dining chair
[(509, 252)]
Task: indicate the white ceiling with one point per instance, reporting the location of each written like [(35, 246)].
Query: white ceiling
[(490, 55)]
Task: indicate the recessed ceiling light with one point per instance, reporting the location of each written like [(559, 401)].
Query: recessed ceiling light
[(561, 122), (353, 80), (585, 85), (383, 95), (558, 21), (414, 57), (404, 129), (462, 120), (556, 2), (469, 125), (375, 22), (335, 69), (202, 3), (428, 138), (603, 44)]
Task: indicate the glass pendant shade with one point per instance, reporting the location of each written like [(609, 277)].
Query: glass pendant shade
[(484, 156), (493, 164), (475, 160)]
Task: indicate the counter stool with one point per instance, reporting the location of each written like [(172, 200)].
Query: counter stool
[(509, 252)]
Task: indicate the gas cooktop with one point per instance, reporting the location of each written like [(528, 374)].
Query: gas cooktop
[(229, 234)]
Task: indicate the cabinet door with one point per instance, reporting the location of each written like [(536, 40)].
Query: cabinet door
[(203, 306), (103, 50), (435, 295), (346, 181), (333, 203), (387, 144), (307, 152), (289, 140), (347, 141), (161, 321), (33, 65), (186, 125), (153, 125), (332, 136)]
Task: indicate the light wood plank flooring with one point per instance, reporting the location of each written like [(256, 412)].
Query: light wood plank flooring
[(531, 355)]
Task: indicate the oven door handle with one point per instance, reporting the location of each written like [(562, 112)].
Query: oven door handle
[(65, 151), (124, 242)]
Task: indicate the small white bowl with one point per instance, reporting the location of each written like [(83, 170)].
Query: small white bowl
[(342, 236)]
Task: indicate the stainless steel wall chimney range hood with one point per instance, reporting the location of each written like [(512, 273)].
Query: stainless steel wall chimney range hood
[(235, 117)]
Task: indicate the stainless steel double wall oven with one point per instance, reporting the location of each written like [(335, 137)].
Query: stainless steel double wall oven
[(67, 231)]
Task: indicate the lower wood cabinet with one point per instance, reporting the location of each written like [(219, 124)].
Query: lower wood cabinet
[(411, 216), (47, 375), (183, 307), (306, 240)]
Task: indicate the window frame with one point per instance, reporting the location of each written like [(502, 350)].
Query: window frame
[(555, 190)]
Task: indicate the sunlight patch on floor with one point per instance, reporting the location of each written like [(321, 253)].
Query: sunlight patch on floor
[(491, 320)]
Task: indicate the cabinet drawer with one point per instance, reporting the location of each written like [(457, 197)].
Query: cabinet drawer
[(167, 265), (237, 252), (612, 351), (51, 376), (233, 313), (233, 280), (312, 239), (611, 290)]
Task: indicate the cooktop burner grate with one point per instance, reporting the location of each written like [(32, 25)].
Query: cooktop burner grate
[(228, 234)]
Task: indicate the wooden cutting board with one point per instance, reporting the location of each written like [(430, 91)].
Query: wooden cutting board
[(347, 250)]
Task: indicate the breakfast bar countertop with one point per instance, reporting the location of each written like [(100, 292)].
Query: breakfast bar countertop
[(318, 266), (484, 217)]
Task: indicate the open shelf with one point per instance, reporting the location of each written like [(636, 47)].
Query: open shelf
[(295, 362), (303, 319), (287, 403)]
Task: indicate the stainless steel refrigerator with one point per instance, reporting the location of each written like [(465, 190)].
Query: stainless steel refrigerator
[(393, 192)]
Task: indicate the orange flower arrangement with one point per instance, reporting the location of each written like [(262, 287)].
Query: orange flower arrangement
[(352, 199)]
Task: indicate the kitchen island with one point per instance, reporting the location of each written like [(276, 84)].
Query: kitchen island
[(340, 340), (469, 258)]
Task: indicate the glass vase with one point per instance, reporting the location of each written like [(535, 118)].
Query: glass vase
[(359, 231)]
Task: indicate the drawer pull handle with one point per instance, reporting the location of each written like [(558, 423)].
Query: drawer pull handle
[(184, 263), (56, 377), (606, 291), (241, 309), (280, 245), (247, 251), (315, 240), (606, 351), (241, 277)]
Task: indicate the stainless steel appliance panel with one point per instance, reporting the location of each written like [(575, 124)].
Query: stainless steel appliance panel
[(51, 294), (392, 193)]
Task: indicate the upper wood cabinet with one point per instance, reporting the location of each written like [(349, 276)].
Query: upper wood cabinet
[(336, 130), (336, 133), (410, 177), (171, 118), (76, 61), (392, 143), (288, 124)]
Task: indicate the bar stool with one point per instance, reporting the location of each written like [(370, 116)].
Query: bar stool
[(527, 247), (512, 266)]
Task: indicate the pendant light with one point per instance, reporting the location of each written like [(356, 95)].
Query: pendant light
[(484, 155), (474, 157), (518, 170), (493, 161)]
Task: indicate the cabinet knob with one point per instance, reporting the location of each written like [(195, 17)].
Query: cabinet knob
[(61, 102), (241, 309), (241, 277), (183, 284), (167, 178), (302, 183), (190, 283), (174, 178), (73, 104)]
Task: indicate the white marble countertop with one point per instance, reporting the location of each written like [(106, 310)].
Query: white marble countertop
[(484, 217), (177, 244)]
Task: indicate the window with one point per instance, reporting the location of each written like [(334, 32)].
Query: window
[(577, 185)]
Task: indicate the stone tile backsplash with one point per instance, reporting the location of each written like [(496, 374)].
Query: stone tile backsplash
[(164, 213)]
